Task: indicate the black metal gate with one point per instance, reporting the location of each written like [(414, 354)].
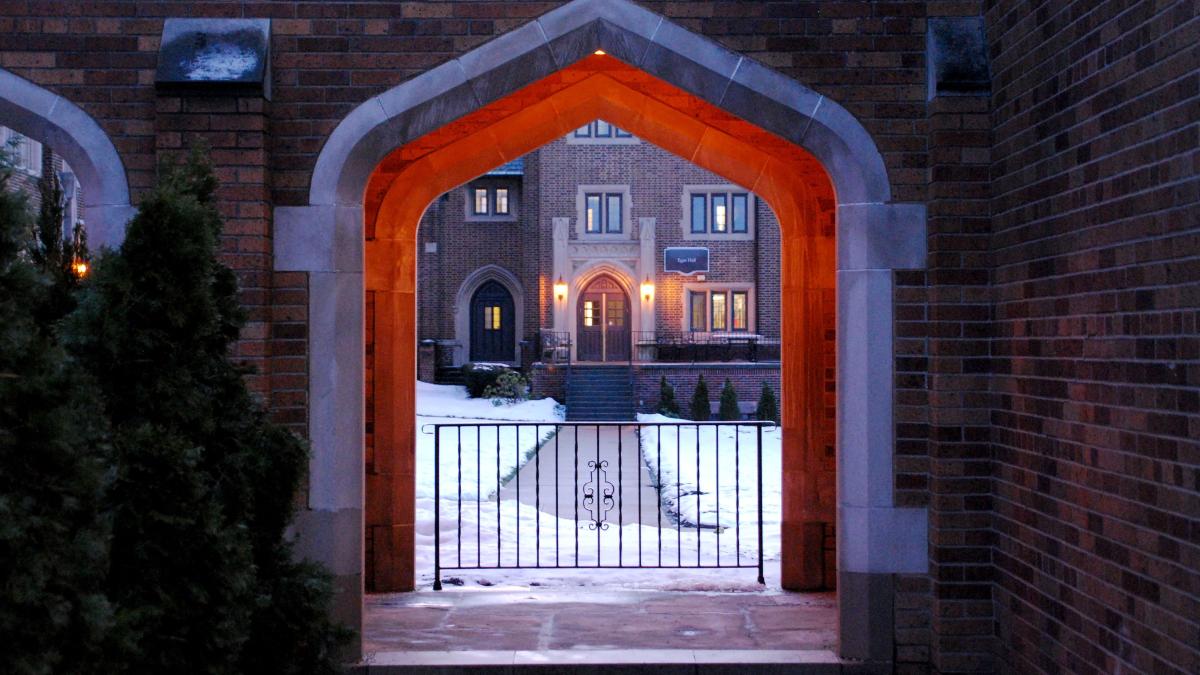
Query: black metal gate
[(598, 495)]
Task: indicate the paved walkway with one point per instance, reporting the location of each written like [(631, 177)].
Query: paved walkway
[(598, 620), (564, 469)]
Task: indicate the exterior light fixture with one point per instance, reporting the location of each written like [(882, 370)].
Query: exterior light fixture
[(599, 52), (79, 268), (560, 288), (648, 289)]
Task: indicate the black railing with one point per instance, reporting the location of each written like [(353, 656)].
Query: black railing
[(543, 495), (685, 347)]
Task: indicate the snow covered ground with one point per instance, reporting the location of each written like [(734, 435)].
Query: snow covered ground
[(469, 523)]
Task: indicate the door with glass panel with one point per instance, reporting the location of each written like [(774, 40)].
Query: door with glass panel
[(493, 336), (603, 322)]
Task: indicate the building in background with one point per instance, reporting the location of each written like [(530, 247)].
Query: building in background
[(35, 162)]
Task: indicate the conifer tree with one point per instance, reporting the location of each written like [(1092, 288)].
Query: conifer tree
[(728, 410), (700, 410), (667, 405), (54, 253), (205, 484), (54, 616), (768, 407)]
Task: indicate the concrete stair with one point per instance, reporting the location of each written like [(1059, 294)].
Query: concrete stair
[(600, 393)]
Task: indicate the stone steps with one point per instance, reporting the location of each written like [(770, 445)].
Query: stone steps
[(600, 393)]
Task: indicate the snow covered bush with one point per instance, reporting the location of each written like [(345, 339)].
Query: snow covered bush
[(479, 376), (507, 389)]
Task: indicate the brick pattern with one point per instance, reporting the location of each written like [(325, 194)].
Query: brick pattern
[(747, 381), (1097, 359)]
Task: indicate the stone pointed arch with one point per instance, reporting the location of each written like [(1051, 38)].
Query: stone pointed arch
[(874, 236), (462, 306), (44, 116)]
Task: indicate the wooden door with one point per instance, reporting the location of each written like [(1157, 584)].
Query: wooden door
[(493, 334)]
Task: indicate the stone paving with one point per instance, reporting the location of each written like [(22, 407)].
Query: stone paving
[(598, 620)]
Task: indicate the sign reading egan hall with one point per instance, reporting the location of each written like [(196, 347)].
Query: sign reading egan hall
[(685, 260)]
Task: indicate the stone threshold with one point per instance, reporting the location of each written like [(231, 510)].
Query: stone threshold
[(626, 661)]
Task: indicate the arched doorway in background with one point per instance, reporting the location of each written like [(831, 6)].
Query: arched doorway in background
[(493, 318), (602, 322)]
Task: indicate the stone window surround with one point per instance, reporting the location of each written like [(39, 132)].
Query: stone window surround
[(514, 201), (572, 139), (626, 233), (685, 208), (709, 286)]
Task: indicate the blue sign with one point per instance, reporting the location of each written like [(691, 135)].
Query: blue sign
[(685, 260)]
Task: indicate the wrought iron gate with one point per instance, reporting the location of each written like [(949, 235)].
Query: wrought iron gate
[(598, 495)]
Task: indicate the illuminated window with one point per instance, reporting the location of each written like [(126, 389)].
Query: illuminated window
[(589, 313), (502, 201), (719, 311), (616, 311), (719, 213), (601, 129), (741, 310), (488, 200), (698, 317), (720, 210), (481, 202), (491, 318), (603, 212)]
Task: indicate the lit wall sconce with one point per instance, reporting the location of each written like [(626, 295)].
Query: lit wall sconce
[(79, 268), (560, 289), (648, 289)]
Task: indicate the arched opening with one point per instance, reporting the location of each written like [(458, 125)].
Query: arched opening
[(688, 95), (493, 324), (70, 132), (602, 321)]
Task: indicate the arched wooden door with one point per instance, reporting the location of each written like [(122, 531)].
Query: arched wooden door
[(603, 322), (493, 319)]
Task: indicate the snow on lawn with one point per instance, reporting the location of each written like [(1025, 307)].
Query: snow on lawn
[(698, 478), (486, 451)]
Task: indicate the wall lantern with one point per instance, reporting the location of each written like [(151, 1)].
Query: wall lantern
[(79, 268), (560, 289), (648, 289)]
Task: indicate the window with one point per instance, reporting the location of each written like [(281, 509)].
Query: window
[(699, 214), (487, 199), (720, 313), (491, 317), (719, 212), (740, 310), (698, 321), (603, 212), (589, 313), (26, 153), (741, 222), (600, 129), (718, 310)]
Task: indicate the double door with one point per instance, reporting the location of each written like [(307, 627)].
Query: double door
[(603, 322)]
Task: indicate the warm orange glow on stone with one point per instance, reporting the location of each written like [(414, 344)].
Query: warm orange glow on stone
[(790, 179)]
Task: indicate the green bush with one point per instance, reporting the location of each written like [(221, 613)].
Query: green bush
[(201, 573), (667, 405), (55, 470), (701, 409), (768, 408), (508, 388), (479, 376), (728, 411)]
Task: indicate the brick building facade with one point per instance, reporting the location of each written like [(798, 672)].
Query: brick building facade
[(521, 230), (1045, 359)]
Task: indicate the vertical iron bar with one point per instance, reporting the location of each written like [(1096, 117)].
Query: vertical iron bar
[(499, 539), (717, 489), (437, 507), (537, 496), (697, 495), (659, 489), (575, 494), (458, 435), (761, 578), (557, 432), (599, 503), (478, 502), (620, 498), (638, 429), (737, 492), (678, 496), (517, 464)]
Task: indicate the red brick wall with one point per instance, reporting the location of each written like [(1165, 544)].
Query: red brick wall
[(1097, 360)]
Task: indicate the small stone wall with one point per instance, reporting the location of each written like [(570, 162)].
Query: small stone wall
[(548, 380), (747, 379)]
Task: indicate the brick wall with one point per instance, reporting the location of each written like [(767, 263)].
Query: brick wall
[(1097, 360), (747, 379)]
